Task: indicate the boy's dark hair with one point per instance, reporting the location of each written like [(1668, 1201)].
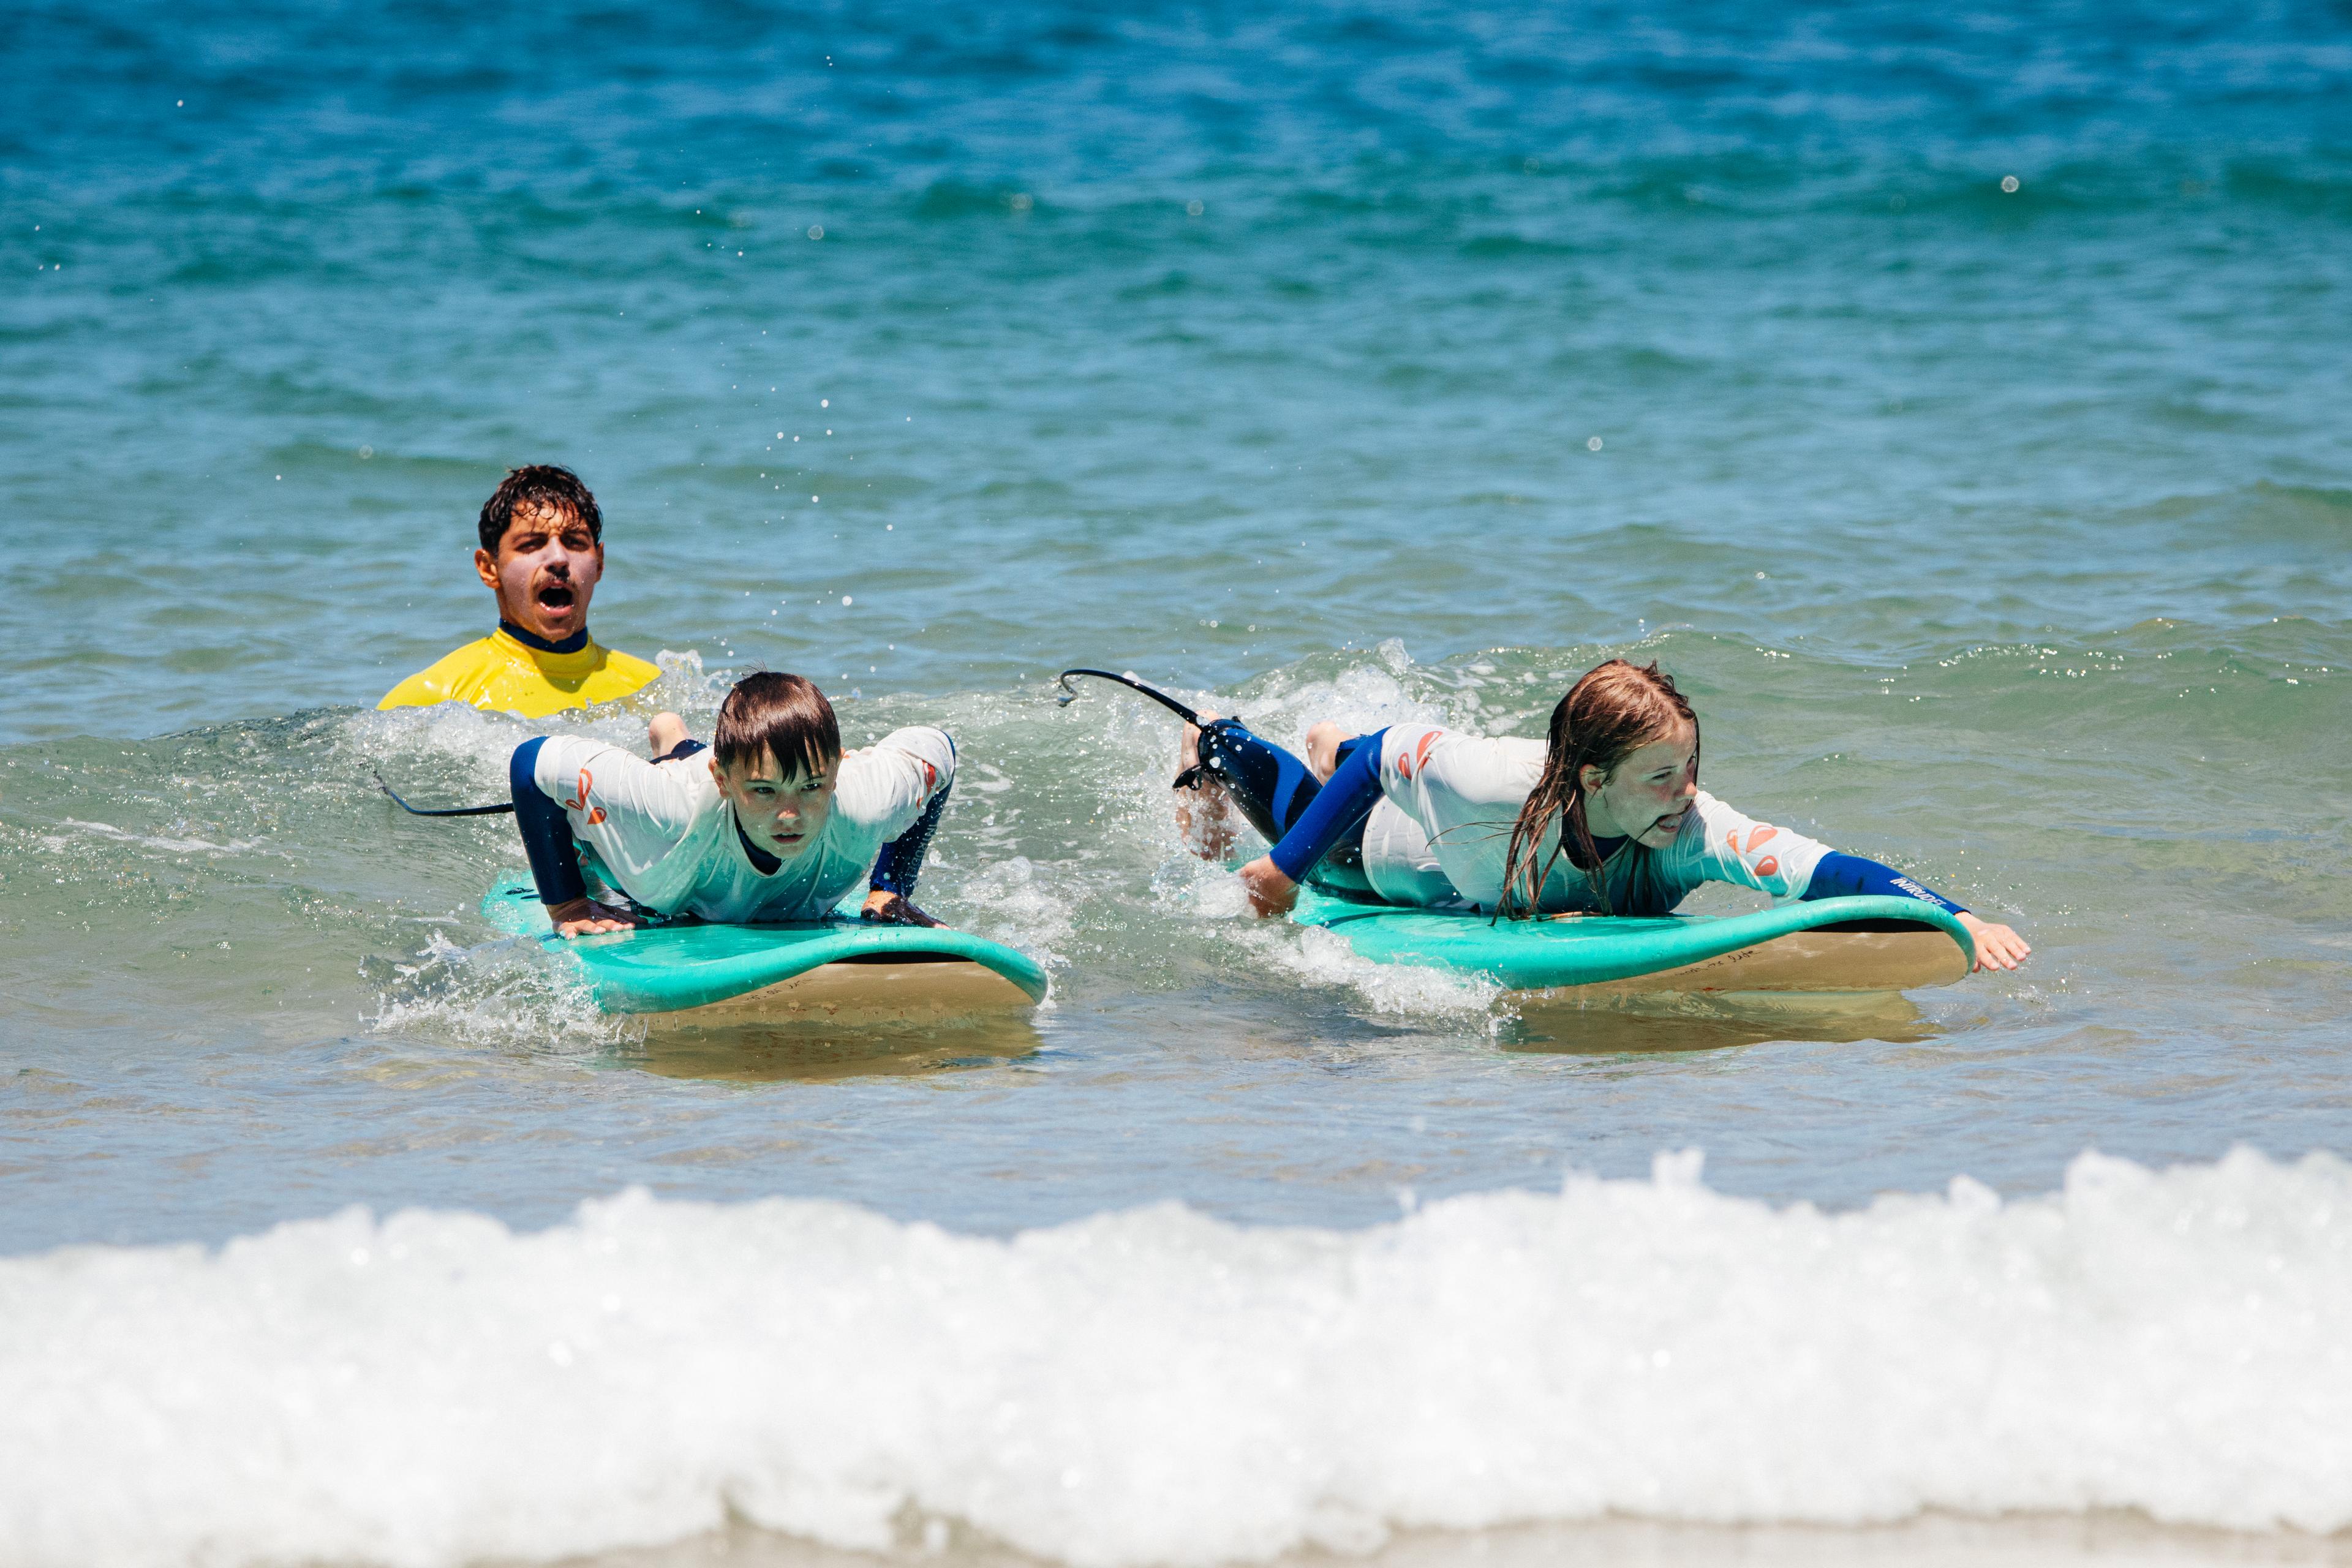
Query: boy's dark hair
[(781, 716), (539, 485)]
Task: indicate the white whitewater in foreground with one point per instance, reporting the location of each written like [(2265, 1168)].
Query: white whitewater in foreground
[(1157, 1386)]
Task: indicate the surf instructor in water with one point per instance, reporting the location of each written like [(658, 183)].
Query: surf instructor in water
[(542, 553), (1603, 816)]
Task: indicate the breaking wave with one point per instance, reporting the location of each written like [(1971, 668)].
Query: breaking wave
[(1158, 1387)]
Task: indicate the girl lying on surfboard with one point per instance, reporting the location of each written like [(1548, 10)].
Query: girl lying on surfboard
[(1604, 816), (777, 822)]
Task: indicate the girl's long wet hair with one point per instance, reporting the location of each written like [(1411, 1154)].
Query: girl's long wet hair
[(1612, 711)]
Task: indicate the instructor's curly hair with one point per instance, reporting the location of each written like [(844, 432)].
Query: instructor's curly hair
[(1612, 711), (531, 488)]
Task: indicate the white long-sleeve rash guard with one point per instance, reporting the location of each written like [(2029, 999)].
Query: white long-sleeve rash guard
[(665, 834), (1464, 792)]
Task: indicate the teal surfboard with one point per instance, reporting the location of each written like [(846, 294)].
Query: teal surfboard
[(1858, 944), (837, 969)]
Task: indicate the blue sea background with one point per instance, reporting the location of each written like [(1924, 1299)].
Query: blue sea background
[(1766, 258), (1227, 347), (1958, 400)]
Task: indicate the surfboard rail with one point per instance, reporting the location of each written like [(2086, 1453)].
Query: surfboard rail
[(795, 968), (1853, 945)]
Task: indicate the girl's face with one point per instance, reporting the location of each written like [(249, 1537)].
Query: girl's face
[(1646, 795)]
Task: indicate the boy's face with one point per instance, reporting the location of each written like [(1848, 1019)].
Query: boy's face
[(781, 814), (545, 572)]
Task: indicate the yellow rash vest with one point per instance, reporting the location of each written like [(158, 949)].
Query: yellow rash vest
[(515, 672)]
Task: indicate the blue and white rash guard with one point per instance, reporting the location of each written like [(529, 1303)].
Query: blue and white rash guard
[(1436, 808), (665, 836)]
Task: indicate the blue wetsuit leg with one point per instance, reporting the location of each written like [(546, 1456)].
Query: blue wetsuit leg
[(1268, 785), (1337, 809), (546, 832), (1850, 875)]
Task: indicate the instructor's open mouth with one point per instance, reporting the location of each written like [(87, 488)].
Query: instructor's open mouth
[(556, 597)]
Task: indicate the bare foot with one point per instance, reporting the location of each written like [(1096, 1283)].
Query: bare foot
[(1323, 749), (1203, 815), (664, 733), (1187, 750)]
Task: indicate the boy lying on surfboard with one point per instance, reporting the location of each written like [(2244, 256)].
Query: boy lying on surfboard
[(775, 822)]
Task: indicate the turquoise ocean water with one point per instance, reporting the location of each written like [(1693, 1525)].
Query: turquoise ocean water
[(1958, 403)]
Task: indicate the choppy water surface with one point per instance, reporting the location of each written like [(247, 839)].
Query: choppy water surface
[(1358, 362)]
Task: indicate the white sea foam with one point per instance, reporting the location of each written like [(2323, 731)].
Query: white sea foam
[(506, 993), (168, 846), (1321, 958), (479, 742), (1399, 990), (1016, 902), (1156, 1386), (1358, 699)]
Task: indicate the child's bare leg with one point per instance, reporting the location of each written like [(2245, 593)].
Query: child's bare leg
[(1203, 815), (665, 732), (1323, 749)]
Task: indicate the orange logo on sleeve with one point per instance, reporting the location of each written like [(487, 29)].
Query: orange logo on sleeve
[(1758, 834), (595, 813), (1408, 766)]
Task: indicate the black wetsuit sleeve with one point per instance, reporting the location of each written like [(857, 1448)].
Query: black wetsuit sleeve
[(546, 832), (901, 860), (1353, 790), (1850, 875)]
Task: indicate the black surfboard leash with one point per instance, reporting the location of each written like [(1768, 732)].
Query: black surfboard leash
[(501, 808), (1069, 695)]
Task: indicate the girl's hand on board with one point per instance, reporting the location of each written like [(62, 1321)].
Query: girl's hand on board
[(1997, 947), (1270, 892)]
